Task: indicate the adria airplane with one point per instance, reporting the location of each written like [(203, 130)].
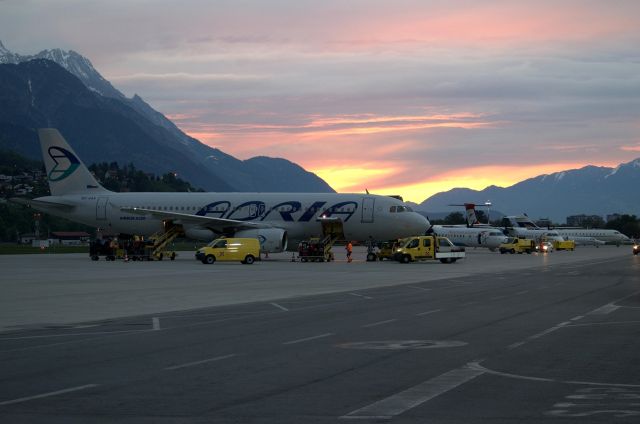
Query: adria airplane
[(278, 220)]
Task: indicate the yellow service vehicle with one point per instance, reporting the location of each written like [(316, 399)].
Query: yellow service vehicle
[(387, 250), (564, 245), (245, 250), (518, 245), (421, 248)]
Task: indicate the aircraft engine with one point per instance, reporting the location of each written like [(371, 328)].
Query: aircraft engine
[(200, 234), (272, 240)]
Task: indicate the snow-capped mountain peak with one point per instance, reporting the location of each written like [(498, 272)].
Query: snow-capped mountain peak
[(73, 62)]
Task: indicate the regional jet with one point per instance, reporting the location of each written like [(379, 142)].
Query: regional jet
[(579, 235), (278, 220)]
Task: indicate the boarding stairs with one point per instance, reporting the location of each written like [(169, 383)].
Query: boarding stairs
[(162, 240)]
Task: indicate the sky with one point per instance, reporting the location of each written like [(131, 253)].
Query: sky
[(408, 97)]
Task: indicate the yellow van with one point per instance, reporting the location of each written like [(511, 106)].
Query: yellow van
[(245, 250)]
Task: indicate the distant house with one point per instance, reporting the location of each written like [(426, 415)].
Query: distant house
[(69, 238), (27, 238)]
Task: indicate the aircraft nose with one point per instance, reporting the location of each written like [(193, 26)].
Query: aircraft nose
[(419, 223)]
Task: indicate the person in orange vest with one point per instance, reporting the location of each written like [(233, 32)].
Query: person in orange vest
[(349, 248)]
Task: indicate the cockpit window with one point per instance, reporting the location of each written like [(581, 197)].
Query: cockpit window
[(400, 209)]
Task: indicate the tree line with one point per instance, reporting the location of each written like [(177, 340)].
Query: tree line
[(16, 220)]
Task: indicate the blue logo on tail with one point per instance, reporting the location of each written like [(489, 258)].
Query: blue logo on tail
[(66, 163)]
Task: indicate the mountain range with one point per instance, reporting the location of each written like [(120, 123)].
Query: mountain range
[(61, 89), (591, 190)]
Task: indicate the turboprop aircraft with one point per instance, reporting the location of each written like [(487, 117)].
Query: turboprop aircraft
[(278, 220), (474, 234)]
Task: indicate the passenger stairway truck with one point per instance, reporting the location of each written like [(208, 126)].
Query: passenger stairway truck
[(518, 245), (162, 240), (432, 247)]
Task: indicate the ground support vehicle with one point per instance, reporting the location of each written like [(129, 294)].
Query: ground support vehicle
[(318, 249), (544, 247), (517, 245), (315, 250), (636, 247), (564, 245), (387, 250), (103, 247), (245, 250), (421, 248)]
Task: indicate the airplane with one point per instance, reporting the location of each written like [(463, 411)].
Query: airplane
[(488, 237), (473, 234), (595, 236), (278, 220), (538, 234)]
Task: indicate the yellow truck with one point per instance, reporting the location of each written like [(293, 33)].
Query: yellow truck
[(517, 245), (245, 250), (421, 248), (564, 245)]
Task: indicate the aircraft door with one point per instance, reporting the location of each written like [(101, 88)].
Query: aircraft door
[(101, 208), (367, 209)]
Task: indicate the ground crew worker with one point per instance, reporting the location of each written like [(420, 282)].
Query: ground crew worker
[(349, 248)]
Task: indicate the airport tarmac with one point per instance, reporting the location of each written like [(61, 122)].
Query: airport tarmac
[(491, 339), (48, 289)]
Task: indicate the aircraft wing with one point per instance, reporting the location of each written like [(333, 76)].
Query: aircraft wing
[(60, 205), (214, 224)]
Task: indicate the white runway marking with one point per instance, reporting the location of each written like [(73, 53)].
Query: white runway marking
[(428, 312), (375, 324), (419, 288), (579, 317), (204, 361), (415, 396), (537, 336), (156, 323), (515, 345), (280, 307), (306, 339), (43, 395), (604, 310), (360, 295), (521, 293), (478, 367)]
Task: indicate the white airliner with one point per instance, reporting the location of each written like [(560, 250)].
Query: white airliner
[(534, 233), (579, 235), (488, 237), (278, 220)]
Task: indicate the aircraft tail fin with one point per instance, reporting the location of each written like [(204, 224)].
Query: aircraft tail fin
[(65, 171), (472, 219)]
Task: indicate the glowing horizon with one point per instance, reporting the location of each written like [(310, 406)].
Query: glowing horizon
[(408, 97)]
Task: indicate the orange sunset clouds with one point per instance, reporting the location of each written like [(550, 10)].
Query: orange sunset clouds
[(399, 97)]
